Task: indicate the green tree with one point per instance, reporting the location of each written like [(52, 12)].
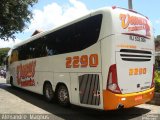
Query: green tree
[(14, 16), (157, 43)]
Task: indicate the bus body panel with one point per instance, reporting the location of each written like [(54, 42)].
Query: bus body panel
[(134, 73), (136, 66), (72, 80), (138, 77), (134, 47), (108, 57), (74, 89), (55, 71)]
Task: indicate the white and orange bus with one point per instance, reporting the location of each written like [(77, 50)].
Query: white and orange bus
[(103, 60)]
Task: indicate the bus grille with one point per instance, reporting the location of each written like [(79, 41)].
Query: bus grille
[(135, 55), (89, 89)]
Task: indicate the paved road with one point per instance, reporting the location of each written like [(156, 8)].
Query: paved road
[(17, 101)]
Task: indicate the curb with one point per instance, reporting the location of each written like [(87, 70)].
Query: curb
[(156, 99)]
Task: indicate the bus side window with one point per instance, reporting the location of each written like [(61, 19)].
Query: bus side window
[(74, 37), (51, 44), (49, 51), (22, 52), (14, 56), (88, 31)]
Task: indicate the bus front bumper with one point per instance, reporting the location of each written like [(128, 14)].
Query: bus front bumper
[(112, 101)]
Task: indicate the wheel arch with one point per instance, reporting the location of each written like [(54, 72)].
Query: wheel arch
[(45, 82), (59, 84), (11, 80)]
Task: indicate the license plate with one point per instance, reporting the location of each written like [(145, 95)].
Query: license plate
[(138, 98)]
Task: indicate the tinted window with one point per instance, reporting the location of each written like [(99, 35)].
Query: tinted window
[(75, 37), (14, 56), (37, 48)]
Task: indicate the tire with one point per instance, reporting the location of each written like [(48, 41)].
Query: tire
[(48, 92), (11, 82), (63, 96)]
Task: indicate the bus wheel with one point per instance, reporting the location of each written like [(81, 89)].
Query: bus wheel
[(48, 92), (63, 96), (11, 82)]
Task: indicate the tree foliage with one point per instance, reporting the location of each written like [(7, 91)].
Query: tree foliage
[(14, 15), (157, 81)]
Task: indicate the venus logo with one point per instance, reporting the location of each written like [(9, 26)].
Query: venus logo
[(134, 23), (25, 74)]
